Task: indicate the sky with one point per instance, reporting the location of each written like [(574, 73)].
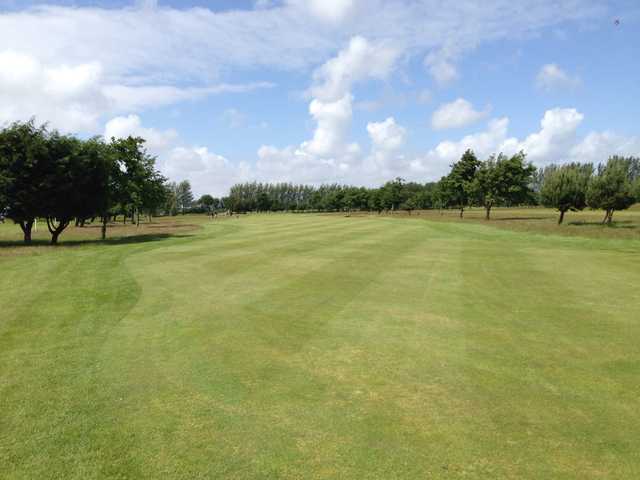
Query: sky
[(322, 91)]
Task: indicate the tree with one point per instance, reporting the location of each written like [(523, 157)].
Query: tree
[(457, 187), (23, 159), (184, 196), (75, 184), (393, 194), (207, 202), (565, 187), (374, 202), (611, 188), (503, 180)]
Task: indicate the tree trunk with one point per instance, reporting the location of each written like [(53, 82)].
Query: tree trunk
[(105, 219), (610, 219), (561, 217), (56, 230), (487, 210), (26, 230), (461, 212)]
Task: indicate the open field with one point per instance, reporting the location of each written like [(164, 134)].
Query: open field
[(319, 346)]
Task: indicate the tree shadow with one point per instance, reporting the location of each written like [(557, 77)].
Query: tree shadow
[(124, 240), (625, 224), (510, 219)]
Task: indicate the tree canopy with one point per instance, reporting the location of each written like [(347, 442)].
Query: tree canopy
[(44, 174)]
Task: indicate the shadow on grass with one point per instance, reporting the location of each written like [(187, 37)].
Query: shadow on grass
[(126, 240), (511, 219), (626, 224)]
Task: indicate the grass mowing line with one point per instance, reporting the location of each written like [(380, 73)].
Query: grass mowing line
[(358, 348)]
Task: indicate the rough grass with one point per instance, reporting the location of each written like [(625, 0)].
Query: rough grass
[(315, 346)]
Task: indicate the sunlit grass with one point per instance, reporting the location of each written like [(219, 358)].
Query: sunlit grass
[(320, 346)]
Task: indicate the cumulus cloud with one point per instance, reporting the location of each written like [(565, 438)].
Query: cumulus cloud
[(157, 142), (555, 142), (328, 155), (359, 61), (552, 77), (458, 113), (208, 172), (94, 63), (386, 157), (74, 98), (333, 121), (387, 136), (596, 147), (69, 97)]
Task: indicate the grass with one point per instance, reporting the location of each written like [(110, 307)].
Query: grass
[(319, 346)]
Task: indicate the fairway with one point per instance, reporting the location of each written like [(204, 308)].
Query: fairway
[(322, 347)]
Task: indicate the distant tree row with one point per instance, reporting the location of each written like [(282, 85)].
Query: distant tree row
[(500, 180), (61, 178), (265, 197)]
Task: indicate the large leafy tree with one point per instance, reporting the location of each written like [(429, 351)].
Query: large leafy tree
[(23, 168), (76, 181), (565, 187), (611, 188), (457, 188), (503, 180)]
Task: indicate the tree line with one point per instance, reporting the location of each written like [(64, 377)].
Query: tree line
[(62, 178), (500, 180)]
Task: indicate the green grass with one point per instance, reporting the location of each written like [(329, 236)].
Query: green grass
[(319, 346)]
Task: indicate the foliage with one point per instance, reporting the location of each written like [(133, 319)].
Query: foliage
[(457, 188), (23, 170), (565, 187), (503, 180), (44, 174), (611, 188)]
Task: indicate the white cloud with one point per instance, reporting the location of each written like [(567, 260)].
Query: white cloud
[(137, 98), (333, 122), (157, 142), (74, 98), (386, 158), (596, 147), (330, 11), (68, 97), (124, 63), (359, 61), (387, 135), (555, 142), (207, 171), (328, 155), (557, 134), (132, 42), (552, 77), (441, 67), (458, 113)]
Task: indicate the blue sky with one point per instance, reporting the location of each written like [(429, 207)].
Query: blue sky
[(354, 91)]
